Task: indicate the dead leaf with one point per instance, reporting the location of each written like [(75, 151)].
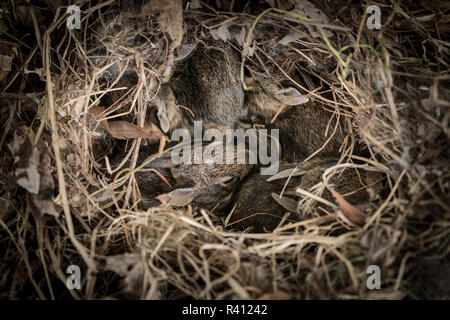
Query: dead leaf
[(43, 201), (162, 144), (285, 202), (7, 49), (170, 17), (185, 51), (32, 171), (43, 206), (127, 130), (290, 37), (105, 195), (238, 34), (179, 197), (277, 295), (309, 10), (221, 33), (26, 161), (195, 4), (5, 66), (350, 212)]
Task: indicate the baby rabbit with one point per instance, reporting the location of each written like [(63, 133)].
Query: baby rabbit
[(260, 209), (205, 87), (302, 126), (208, 184), (257, 207)]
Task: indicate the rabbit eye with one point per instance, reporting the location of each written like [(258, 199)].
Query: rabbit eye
[(227, 181)]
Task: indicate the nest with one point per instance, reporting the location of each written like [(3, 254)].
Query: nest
[(60, 206)]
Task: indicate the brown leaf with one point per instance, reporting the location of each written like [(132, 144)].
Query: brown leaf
[(277, 295), (32, 171), (179, 197), (162, 144), (238, 35), (26, 161), (184, 51), (42, 202), (127, 130), (43, 206), (290, 37), (285, 202), (308, 9), (221, 33), (6, 57), (170, 17), (5, 66), (195, 4), (350, 212)]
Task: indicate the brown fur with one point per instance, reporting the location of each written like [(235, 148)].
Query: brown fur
[(303, 128), (209, 185), (258, 211), (208, 84)]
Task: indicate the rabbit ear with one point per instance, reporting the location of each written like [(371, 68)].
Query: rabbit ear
[(185, 51), (163, 119), (295, 97), (168, 112), (293, 172), (225, 180), (285, 202), (182, 196)]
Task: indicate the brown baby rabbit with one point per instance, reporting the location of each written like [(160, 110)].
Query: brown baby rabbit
[(260, 209), (209, 185), (304, 126), (204, 87), (257, 204)]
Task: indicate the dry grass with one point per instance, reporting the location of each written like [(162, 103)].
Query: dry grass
[(391, 85)]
